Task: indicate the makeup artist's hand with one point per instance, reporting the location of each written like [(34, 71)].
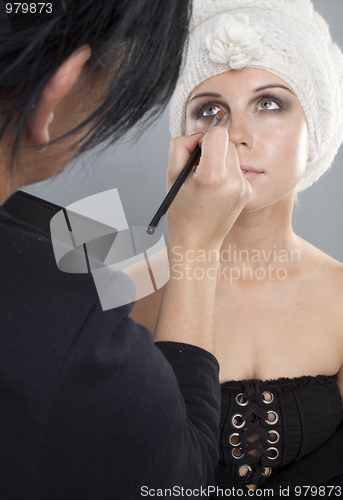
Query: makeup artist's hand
[(212, 197), (201, 215)]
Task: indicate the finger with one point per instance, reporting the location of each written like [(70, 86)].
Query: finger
[(212, 163), (237, 178), (179, 152), (232, 160)]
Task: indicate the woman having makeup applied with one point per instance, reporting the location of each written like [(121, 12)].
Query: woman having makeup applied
[(272, 68)]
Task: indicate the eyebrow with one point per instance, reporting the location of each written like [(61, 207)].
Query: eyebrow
[(258, 89), (274, 86), (205, 94)]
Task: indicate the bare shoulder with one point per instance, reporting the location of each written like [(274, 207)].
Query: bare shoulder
[(326, 279), (323, 279), (333, 270), (320, 262)]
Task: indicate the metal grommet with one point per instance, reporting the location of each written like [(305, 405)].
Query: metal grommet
[(245, 466), (276, 419), (266, 471), (237, 453), (234, 439), (238, 425), (273, 453), (240, 399), (277, 437), (270, 394)]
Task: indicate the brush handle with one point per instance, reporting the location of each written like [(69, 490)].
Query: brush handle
[(156, 220)]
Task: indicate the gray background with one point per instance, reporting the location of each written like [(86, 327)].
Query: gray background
[(138, 170)]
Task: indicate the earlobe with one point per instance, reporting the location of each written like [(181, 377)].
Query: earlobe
[(38, 140), (57, 88)]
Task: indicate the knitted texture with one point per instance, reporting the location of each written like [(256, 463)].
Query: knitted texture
[(285, 37)]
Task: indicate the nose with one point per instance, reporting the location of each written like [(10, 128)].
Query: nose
[(240, 130)]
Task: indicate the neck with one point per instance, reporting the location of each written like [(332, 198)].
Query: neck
[(9, 175), (6, 186), (262, 243)]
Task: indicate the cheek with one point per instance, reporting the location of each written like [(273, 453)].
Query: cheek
[(193, 126), (288, 149), (303, 147), (297, 141), (187, 126)]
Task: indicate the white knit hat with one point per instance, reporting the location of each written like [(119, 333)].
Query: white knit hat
[(285, 37)]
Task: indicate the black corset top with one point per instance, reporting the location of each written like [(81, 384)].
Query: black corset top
[(265, 425)]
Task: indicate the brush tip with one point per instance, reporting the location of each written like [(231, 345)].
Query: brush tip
[(220, 114)]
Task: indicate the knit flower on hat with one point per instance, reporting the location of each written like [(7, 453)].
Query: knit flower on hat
[(235, 41)]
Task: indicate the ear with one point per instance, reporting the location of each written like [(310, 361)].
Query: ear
[(58, 86)]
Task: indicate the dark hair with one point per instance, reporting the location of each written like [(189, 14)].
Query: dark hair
[(144, 38)]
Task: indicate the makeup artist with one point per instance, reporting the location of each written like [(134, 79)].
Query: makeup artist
[(90, 408)]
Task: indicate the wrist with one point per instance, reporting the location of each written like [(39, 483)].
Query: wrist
[(200, 255)]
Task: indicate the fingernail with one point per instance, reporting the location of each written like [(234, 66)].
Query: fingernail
[(197, 133)]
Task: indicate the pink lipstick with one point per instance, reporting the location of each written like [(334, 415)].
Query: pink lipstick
[(250, 172)]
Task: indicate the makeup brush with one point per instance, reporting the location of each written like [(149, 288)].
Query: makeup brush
[(156, 220)]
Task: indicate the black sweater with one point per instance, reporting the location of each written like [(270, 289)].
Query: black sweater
[(90, 408)]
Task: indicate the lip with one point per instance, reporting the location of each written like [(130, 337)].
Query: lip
[(249, 168), (249, 171)]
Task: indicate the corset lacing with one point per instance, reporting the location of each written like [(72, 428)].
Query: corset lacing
[(258, 416)]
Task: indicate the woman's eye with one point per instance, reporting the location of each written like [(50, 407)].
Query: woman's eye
[(268, 104), (210, 110)]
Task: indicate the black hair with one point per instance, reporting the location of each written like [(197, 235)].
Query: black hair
[(142, 39)]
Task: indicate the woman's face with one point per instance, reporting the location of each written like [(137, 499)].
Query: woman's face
[(265, 121)]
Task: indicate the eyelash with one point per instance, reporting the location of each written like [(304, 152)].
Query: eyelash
[(198, 113), (270, 97)]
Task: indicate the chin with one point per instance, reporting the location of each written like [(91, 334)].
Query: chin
[(249, 208), (256, 202), (285, 199)]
